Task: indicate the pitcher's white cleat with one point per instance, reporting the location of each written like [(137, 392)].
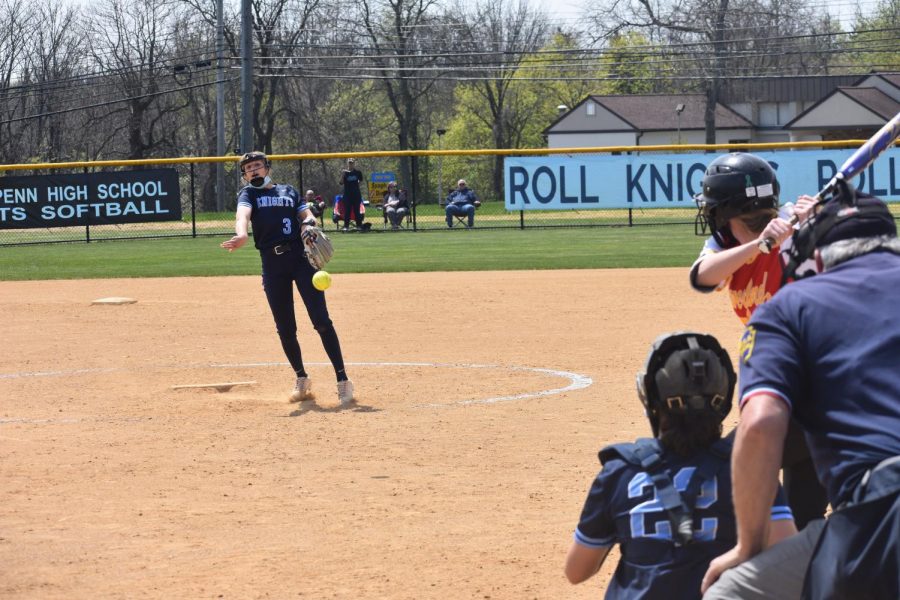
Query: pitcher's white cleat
[(345, 392), (302, 389)]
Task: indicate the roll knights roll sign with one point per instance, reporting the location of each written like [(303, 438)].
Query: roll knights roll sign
[(89, 199)]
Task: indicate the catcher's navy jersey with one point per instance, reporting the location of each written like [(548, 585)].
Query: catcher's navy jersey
[(274, 214), (622, 507), (829, 346)]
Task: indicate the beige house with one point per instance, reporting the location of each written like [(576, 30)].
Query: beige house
[(778, 109), (854, 112)]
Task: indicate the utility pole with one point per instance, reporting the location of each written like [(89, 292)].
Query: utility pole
[(220, 104), (679, 108), (246, 76), (440, 134)]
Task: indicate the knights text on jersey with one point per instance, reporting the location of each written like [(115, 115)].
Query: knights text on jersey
[(274, 215), (622, 507), (843, 388)]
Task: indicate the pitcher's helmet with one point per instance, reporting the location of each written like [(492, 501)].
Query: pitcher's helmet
[(252, 156)]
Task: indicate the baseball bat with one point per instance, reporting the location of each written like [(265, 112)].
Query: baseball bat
[(853, 166)]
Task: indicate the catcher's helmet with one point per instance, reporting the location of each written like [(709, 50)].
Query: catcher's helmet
[(255, 155), (735, 184), (686, 373)]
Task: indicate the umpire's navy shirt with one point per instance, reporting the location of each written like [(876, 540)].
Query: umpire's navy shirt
[(829, 346), (274, 215)]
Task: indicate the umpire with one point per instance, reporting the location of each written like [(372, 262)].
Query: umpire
[(826, 350)]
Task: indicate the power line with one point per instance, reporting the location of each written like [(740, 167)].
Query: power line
[(111, 102)]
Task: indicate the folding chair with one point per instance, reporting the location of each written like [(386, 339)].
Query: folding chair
[(407, 217), (337, 215), (464, 219)]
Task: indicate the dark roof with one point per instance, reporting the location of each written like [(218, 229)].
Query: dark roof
[(868, 97), (893, 78), (657, 112), (874, 99), (783, 89)]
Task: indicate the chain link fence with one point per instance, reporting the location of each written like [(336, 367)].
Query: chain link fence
[(209, 187)]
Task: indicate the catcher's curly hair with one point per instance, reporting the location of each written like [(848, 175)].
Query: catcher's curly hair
[(686, 435)]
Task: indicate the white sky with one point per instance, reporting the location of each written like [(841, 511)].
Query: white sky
[(571, 12)]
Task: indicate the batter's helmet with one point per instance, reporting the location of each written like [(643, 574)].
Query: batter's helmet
[(255, 155), (735, 184), (686, 373)]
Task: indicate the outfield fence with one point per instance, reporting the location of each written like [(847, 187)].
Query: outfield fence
[(208, 208)]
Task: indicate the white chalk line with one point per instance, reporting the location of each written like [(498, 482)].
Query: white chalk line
[(576, 381)]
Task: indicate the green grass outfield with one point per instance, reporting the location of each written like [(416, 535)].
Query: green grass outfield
[(457, 250)]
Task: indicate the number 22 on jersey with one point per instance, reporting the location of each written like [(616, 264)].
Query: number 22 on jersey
[(651, 514)]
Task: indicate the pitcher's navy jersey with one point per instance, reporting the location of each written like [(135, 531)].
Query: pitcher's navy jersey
[(274, 215), (797, 348), (622, 508)]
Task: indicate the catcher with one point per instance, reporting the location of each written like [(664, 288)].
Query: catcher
[(292, 249), (667, 500)]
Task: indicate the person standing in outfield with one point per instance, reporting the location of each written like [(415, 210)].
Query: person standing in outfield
[(279, 218), (667, 500), (351, 196), (740, 205), (825, 350)]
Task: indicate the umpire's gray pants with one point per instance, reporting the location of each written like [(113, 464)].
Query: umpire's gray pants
[(776, 574)]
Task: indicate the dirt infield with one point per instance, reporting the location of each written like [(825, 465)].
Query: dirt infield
[(459, 473)]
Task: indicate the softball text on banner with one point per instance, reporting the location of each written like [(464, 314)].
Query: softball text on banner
[(672, 180), (89, 199)]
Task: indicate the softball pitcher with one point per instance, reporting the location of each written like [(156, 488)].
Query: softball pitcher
[(285, 233)]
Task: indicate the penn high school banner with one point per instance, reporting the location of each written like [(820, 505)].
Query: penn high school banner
[(111, 198), (672, 180)]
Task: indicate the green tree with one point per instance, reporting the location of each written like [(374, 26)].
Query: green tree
[(875, 43), (630, 59)]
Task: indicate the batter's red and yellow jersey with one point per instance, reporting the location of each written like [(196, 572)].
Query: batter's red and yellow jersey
[(754, 283)]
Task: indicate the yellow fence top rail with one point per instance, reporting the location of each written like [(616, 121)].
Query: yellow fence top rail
[(471, 152)]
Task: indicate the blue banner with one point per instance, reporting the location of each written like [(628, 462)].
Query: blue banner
[(385, 177), (672, 180)]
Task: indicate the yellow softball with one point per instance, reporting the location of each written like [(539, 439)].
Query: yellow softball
[(321, 280)]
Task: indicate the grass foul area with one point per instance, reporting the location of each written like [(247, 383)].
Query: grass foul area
[(456, 250)]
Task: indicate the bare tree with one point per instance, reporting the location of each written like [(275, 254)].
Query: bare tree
[(712, 40), (53, 57), (131, 41), (500, 35), (405, 42), (16, 22)]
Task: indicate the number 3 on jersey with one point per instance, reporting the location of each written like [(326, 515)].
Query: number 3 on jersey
[(286, 230), (652, 514)]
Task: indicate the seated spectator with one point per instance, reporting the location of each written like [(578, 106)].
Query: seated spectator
[(395, 205), (315, 203), (461, 202), (357, 212)]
